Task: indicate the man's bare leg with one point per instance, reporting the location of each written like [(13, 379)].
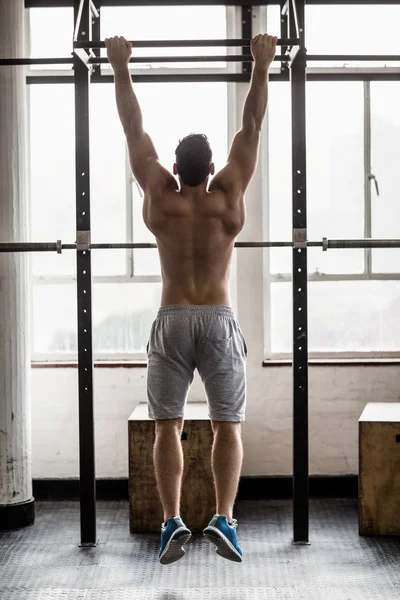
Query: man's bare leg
[(227, 458), (168, 464)]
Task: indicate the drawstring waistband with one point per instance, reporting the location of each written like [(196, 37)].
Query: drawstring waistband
[(187, 309)]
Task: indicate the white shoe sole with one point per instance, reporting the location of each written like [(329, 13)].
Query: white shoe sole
[(173, 551), (224, 546)]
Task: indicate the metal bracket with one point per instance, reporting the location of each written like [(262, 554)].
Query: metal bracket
[(59, 246), (325, 244), (299, 238), (83, 240), (83, 56)]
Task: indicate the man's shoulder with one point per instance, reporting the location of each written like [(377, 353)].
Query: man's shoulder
[(160, 180), (227, 189), (227, 182)]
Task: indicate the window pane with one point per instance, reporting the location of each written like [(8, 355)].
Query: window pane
[(52, 120), (54, 319), (274, 19), (108, 180), (363, 30), (186, 108), (348, 316), (335, 173), (122, 318), (52, 164), (123, 315), (51, 34), (184, 22), (385, 102)]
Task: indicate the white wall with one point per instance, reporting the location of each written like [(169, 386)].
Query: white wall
[(337, 398)]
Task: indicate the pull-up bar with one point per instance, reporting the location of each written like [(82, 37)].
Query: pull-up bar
[(188, 43)]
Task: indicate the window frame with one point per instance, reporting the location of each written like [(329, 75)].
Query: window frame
[(324, 73)]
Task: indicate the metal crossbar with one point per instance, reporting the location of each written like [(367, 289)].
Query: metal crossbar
[(325, 244), (217, 43)]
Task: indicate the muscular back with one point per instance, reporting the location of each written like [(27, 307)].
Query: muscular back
[(195, 235)]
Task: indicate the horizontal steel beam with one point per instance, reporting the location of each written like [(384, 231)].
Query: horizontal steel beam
[(100, 3), (118, 3), (387, 74), (15, 62), (325, 244), (153, 78), (182, 59), (241, 43)]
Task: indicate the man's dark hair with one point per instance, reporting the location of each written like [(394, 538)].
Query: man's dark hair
[(194, 157)]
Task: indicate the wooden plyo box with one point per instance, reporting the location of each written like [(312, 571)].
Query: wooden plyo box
[(379, 472), (198, 503)]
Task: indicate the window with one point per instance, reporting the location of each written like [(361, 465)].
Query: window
[(352, 135), (355, 29), (347, 29), (53, 176), (122, 317), (51, 33), (344, 317), (335, 174), (184, 22), (345, 294), (127, 288)]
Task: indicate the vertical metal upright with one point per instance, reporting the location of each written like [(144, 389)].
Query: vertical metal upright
[(284, 34), (96, 35), (300, 292), (84, 285), (247, 34)]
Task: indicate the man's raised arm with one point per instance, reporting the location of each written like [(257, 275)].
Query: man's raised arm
[(142, 153), (243, 156), (255, 108)]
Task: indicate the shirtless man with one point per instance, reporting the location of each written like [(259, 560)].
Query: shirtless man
[(195, 224)]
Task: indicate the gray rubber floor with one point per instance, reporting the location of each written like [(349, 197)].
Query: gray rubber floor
[(44, 562)]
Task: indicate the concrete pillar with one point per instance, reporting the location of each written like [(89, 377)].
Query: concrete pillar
[(16, 501)]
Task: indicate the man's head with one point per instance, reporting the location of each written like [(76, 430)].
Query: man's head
[(194, 160)]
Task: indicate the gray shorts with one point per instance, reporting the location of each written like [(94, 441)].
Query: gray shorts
[(208, 338)]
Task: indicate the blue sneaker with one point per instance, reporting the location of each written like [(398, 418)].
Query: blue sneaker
[(174, 534), (223, 535)]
